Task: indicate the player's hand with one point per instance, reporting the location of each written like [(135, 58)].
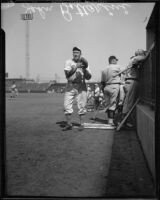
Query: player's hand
[(84, 62), (79, 65)]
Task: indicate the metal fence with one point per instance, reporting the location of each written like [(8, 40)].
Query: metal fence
[(147, 88)]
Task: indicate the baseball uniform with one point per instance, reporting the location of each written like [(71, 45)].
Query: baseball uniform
[(76, 88), (131, 82), (112, 85)]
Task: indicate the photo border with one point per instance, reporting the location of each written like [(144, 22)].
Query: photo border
[(3, 166)]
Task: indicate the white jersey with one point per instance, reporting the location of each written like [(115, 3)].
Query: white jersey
[(108, 74), (13, 87), (78, 76)]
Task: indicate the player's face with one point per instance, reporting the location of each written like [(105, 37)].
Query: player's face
[(76, 55), (141, 53), (114, 61)]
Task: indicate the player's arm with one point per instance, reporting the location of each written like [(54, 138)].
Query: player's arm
[(140, 58), (71, 69), (85, 67), (87, 73), (122, 71)]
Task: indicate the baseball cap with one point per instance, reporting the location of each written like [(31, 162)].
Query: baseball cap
[(111, 58), (76, 49), (139, 52)]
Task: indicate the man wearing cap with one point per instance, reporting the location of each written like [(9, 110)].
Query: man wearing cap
[(110, 85), (131, 80), (76, 71)]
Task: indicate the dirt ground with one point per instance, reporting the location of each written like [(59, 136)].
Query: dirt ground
[(129, 175), (43, 160)]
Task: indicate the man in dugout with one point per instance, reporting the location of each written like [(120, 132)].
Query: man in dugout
[(110, 85), (131, 83)]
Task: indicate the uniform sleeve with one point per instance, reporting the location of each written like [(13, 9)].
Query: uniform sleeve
[(67, 66), (87, 73), (138, 59), (131, 63)]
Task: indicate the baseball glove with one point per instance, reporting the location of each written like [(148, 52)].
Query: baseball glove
[(84, 62)]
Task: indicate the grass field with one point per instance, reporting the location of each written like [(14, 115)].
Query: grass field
[(43, 160)]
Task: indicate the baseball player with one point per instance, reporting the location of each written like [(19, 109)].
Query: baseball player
[(14, 90), (89, 93), (131, 81), (90, 99), (76, 71), (110, 85), (121, 95), (96, 95), (97, 92)]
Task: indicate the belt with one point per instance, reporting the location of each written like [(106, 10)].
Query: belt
[(70, 82), (112, 83), (134, 79)]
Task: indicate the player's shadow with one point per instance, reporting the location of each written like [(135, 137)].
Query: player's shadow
[(103, 121), (62, 124)]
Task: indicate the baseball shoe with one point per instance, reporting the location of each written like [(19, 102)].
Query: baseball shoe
[(81, 127), (110, 122), (129, 125), (67, 128)]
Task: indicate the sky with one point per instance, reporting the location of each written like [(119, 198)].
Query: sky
[(56, 28)]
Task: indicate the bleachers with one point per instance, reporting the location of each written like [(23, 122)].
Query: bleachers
[(28, 87)]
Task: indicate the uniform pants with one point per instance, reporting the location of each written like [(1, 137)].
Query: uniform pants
[(131, 94), (77, 92), (121, 95), (96, 102), (110, 95)]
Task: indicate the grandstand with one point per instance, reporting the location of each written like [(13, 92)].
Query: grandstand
[(30, 85), (26, 85)]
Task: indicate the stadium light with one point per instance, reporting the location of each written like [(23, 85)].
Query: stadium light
[(27, 17)]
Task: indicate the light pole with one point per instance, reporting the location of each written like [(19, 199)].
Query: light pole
[(26, 17)]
